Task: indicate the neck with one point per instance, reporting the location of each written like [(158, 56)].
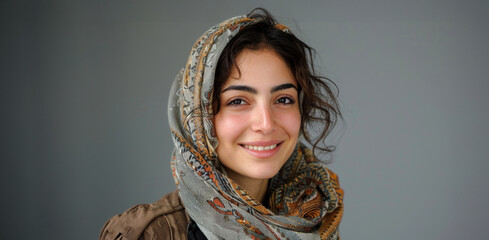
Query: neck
[(255, 187)]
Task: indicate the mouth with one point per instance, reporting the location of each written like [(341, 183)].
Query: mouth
[(260, 148)]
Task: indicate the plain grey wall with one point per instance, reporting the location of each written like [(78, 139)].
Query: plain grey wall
[(84, 91)]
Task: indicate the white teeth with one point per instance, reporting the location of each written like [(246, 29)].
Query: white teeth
[(261, 148)]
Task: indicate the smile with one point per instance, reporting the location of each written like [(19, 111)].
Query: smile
[(260, 148)]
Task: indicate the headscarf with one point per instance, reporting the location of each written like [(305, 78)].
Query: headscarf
[(304, 198)]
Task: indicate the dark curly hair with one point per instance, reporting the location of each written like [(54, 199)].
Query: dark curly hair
[(317, 101)]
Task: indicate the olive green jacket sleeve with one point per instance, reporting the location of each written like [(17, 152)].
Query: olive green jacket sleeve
[(161, 220)]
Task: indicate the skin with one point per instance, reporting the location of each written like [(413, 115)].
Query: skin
[(259, 109)]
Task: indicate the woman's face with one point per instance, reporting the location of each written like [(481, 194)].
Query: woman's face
[(259, 120)]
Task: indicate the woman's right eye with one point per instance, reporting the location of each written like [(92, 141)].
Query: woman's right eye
[(237, 101)]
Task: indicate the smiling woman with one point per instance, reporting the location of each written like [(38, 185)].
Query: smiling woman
[(236, 112), (259, 121)]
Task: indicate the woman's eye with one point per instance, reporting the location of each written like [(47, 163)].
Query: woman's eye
[(285, 100), (237, 101)]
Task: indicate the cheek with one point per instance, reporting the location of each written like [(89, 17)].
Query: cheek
[(291, 122), (228, 127)]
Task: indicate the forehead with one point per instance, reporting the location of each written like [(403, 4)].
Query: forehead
[(260, 67)]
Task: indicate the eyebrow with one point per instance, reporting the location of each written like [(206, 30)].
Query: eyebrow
[(283, 86), (252, 90)]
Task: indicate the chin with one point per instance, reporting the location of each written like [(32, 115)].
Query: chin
[(263, 173)]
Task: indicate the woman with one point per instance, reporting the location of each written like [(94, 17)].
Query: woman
[(236, 112)]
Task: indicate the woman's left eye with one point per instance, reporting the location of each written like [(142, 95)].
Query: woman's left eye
[(285, 100)]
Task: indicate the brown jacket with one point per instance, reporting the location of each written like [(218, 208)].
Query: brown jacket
[(164, 219)]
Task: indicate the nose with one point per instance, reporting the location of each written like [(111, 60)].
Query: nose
[(263, 120)]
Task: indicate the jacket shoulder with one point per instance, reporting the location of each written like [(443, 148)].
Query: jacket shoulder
[(164, 219)]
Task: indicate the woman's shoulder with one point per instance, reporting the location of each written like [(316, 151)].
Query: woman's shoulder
[(164, 219)]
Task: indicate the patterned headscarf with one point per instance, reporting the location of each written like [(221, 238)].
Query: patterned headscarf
[(305, 199)]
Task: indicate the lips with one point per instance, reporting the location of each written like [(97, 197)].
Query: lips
[(262, 149)]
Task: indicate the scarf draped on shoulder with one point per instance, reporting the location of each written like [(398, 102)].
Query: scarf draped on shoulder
[(304, 198)]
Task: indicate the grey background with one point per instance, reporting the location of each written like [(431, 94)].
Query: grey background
[(83, 110)]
